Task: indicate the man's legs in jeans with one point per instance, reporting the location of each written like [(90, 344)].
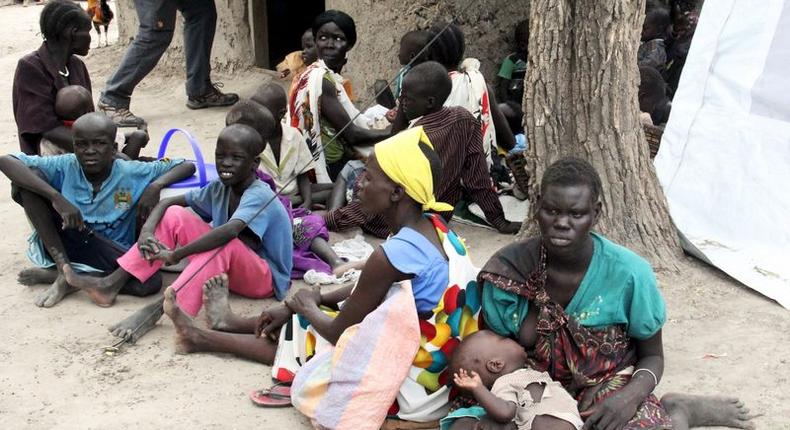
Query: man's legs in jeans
[(200, 23), (154, 34)]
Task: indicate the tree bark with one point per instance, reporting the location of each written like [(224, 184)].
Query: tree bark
[(581, 99)]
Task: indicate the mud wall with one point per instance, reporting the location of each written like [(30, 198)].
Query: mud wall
[(488, 25)]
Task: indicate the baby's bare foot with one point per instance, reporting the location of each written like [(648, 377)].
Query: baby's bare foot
[(215, 302)]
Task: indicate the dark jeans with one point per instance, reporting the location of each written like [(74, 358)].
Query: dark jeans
[(157, 23), (93, 249)]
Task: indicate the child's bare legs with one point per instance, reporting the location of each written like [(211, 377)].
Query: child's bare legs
[(190, 338), (321, 248), (39, 212), (337, 198), (319, 192), (218, 313)]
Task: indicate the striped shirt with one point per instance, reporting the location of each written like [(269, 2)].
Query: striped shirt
[(458, 141)]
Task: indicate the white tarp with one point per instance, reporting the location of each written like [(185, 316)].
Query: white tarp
[(724, 160)]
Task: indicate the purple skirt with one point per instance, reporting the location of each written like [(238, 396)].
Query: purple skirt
[(306, 227)]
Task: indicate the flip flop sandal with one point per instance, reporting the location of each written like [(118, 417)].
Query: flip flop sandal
[(278, 396)]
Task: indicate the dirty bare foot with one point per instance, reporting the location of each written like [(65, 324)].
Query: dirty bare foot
[(186, 332), (98, 289), (37, 275), (139, 323), (215, 301), (702, 411), (55, 293)]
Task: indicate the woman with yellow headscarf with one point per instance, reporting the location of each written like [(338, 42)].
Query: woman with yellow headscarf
[(350, 352)]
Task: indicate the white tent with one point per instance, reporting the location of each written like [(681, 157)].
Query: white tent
[(724, 160)]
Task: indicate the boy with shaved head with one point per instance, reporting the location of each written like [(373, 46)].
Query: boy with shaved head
[(236, 227), (84, 206), (456, 136)]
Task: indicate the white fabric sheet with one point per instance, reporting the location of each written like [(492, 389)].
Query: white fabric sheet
[(724, 160)]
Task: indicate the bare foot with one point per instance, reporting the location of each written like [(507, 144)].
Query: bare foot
[(139, 323), (55, 293), (215, 301), (96, 288), (186, 332), (37, 275), (704, 411)]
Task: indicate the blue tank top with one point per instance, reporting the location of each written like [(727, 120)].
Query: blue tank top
[(412, 253)]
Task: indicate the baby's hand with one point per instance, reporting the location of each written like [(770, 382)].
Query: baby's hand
[(467, 380)]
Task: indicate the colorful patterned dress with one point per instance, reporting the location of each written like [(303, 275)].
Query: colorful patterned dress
[(393, 363)]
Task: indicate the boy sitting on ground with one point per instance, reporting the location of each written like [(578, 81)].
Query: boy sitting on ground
[(240, 229), (287, 158), (494, 370), (74, 101), (310, 236), (84, 206)]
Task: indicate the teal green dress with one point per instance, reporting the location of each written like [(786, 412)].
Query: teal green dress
[(588, 345)]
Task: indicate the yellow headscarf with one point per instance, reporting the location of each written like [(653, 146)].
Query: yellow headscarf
[(402, 160)]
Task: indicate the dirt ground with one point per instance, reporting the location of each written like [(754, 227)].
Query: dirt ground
[(721, 338)]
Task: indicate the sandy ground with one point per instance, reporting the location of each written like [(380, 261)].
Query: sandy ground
[(53, 373)]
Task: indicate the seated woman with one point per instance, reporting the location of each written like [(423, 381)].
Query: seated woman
[(39, 75), (363, 355), (588, 312), (320, 105), (470, 89)]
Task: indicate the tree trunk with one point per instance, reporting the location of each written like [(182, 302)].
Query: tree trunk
[(581, 99)]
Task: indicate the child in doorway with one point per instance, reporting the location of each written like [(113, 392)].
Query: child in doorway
[(295, 62), (494, 370), (239, 230)]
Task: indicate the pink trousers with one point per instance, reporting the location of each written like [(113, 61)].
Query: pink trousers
[(248, 273)]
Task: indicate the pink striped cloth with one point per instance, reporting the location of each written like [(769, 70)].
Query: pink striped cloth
[(353, 384)]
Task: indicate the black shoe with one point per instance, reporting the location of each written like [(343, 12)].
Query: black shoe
[(214, 97)]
